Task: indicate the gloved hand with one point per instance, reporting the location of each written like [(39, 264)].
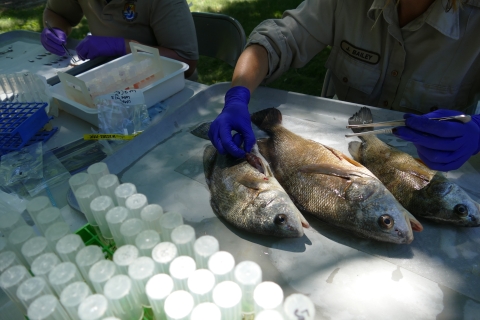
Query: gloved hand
[(52, 40), (442, 145), (96, 46), (234, 116)]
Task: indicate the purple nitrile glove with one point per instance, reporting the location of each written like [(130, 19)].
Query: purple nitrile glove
[(442, 145), (96, 46), (234, 117), (52, 40)]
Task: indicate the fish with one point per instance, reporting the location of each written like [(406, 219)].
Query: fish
[(246, 194), (330, 186), (426, 193)]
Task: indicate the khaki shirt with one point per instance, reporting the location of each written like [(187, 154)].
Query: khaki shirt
[(166, 23), (432, 62)]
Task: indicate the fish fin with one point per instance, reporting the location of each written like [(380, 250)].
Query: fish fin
[(363, 116), (255, 162), (209, 156), (267, 118), (422, 171), (201, 130), (251, 182), (416, 225), (331, 170), (341, 156), (354, 148)]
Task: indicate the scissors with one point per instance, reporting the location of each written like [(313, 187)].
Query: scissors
[(395, 123), (63, 45)]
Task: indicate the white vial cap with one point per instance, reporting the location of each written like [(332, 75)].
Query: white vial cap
[(7, 260), (182, 267), (142, 268), (135, 203), (146, 241), (206, 311), (183, 234), (46, 307), (125, 255), (248, 273), (78, 180), (227, 294), (94, 307), (44, 263), (179, 304), (159, 286), (268, 295), (221, 263), (37, 204), (101, 272), (151, 212), (34, 247), (201, 281), (31, 289), (123, 191), (74, 294), (97, 170), (299, 304), (271, 315), (68, 246), (57, 231)]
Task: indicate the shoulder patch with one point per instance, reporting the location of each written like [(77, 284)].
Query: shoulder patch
[(129, 12), (360, 54)]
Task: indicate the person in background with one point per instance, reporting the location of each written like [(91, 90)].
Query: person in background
[(164, 24), (421, 57)]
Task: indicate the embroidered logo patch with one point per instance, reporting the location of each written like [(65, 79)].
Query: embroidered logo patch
[(360, 54), (129, 13)]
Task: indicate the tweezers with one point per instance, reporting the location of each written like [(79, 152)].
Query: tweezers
[(395, 123), (63, 45)]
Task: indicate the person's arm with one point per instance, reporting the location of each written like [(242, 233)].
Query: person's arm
[(56, 21), (251, 68)]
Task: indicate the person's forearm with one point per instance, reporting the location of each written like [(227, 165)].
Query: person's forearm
[(56, 21), (169, 53), (251, 68)]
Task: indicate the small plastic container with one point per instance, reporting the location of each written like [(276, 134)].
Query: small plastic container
[(178, 305), (97, 170), (8, 259), (85, 195), (151, 214), (227, 295), (123, 191), (135, 203), (204, 247), (107, 185), (298, 305), (184, 237), (56, 232), (130, 229), (248, 275), (120, 293), (163, 255), (72, 296), (94, 307), (140, 271), (44, 264), (17, 238), (35, 247), (10, 281), (268, 296), (31, 289), (115, 217), (78, 180), (36, 205), (62, 275), (46, 307), (100, 273), (168, 222), (146, 241), (158, 288), (200, 284), (206, 311), (86, 258), (9, 222), (181, 269), (221, 264), (47, 217), (124, 256), (272, 315), (99, 207), (68, 247)]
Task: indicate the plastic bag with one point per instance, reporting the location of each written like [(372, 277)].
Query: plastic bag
[(26, 163)]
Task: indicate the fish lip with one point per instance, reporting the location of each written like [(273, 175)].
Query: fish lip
[(463, 222)]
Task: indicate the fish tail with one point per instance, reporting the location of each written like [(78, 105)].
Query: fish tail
[(267, 118), (201, 130), (363, 116)]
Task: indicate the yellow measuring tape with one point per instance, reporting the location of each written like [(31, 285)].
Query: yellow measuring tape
[(102, 136)]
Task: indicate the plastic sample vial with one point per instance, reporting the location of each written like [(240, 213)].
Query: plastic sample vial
[(124, 256), (72, 296), (9, 222), (11, 279), (227, 295), (130, 229), (222, 263), (206, 311), (8, 259), (135, 203), (181, 269), (47, 217), (158, 288), (123, 191), (115, 217), (178, 305), (163, 255), (31, 289), (94, 307), (296, 305), (85, 195), (146, 241), (56, 232), (107, 185), (86, 258), (17, 238), (168, 222), (35, 247), (68, 247), (36, 205), (151, 214), (46, 307), (140, 271), (78, 180), (204, 247), (62, 275), (184, 237), (99, 207), (271, 315), (248, 275), (43, 264), (120, 293), (97, 170), (100, 273), (200, 284), (268, 295)]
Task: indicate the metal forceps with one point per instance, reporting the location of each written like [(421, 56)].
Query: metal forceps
[(395, 123), (63, 45)]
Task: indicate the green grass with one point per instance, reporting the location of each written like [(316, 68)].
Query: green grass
[(249, 13)]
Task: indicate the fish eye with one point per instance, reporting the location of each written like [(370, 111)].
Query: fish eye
[(461, 210), (385, 221), (280, 219)]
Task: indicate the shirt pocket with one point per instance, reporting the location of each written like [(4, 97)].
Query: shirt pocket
[(352, 72)]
